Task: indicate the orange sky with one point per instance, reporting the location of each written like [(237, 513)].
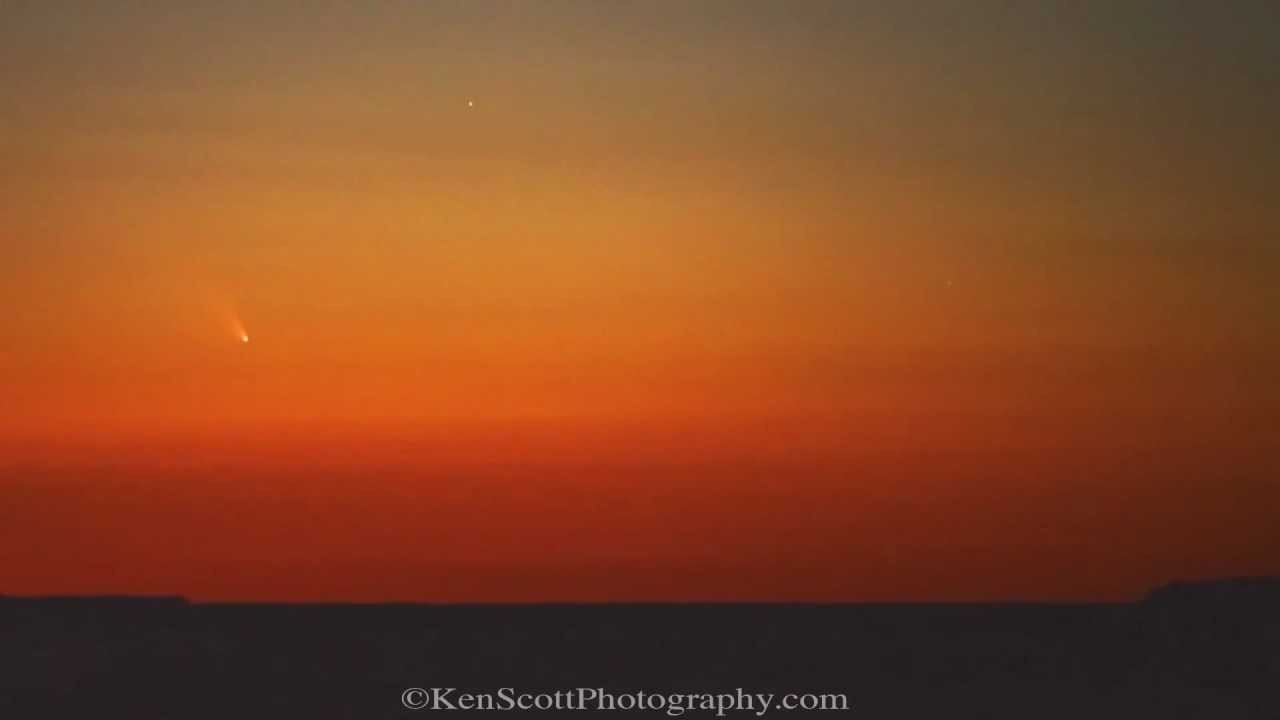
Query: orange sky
[(550, 302)]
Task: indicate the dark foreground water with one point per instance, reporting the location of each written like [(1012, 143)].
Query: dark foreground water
[(1208, 651)]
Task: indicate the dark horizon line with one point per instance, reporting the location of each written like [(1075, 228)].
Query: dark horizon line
[(1214, 588)]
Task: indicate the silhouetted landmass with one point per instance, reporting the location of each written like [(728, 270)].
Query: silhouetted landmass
[(1251, 593), (1207, 650), (128, 603)]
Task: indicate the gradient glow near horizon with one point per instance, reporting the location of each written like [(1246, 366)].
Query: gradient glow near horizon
[(636, 301)]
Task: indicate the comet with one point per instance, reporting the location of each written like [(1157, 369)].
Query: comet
[(237, 327), (225, 313)]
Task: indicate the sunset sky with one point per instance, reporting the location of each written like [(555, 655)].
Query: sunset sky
[(638, 300)]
